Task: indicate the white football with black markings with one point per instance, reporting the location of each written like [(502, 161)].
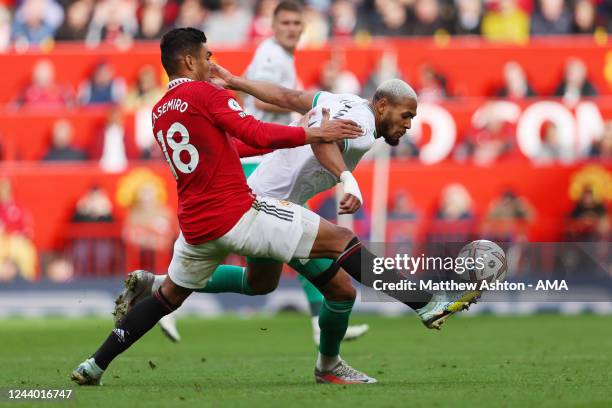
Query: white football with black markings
[(483, 260)]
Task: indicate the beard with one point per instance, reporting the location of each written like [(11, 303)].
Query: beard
[(391, 142), (385, 134)]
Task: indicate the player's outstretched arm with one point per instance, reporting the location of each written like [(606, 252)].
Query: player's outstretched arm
[(330, 157), (290, 99)]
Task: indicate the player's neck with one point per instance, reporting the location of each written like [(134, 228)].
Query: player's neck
[(290, 50), (376, 121)]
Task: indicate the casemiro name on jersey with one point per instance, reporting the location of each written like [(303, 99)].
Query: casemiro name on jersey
[(176, 104)]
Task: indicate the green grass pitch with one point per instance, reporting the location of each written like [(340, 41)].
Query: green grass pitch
[(485, 361)]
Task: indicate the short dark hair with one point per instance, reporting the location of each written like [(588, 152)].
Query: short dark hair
[(179, 42), (288, 5)]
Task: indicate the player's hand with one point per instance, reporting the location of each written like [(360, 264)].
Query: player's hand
[(333, 130), (305, 120), (349, 204), (221, 76), (351, 201)]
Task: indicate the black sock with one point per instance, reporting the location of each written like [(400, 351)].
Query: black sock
[(356, 256), (139, 320)]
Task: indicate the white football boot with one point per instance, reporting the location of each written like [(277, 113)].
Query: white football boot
[(445, 304), (343, 373), (168, 326), (87, 373)]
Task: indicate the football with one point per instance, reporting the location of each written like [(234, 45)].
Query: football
[(483, 260)]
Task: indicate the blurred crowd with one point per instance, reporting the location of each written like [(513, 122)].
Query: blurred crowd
[(26, 23), (490, 138)]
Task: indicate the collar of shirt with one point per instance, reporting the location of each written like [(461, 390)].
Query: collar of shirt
[(176, 82)]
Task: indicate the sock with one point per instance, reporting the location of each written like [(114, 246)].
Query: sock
[(134, 325), (326, 363), (355, 255), (228, 278), (333, 321), (314, 297)]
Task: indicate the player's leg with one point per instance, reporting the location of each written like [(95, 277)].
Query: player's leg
[(139, 320), (190, 267), (349, 254), (339, 298), (260, 277), (309, 269)]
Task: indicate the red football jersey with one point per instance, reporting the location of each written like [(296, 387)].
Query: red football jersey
[(194, 123)]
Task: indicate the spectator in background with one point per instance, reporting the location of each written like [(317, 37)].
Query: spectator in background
[(103, 87), (261, 25), (510, 207), (335, 79), (552, 150), (17, 252), (401, 207), (114, 21), (432, 87), (61, 148), (489, 142), (191, 14), (149, 223), (391, 19), (343, 15), (94, 206), (5, 27), (76, 24), (584, 17), (590, 217), (575, 83), (386, 68), (229, 25), (36, 21), (505, 21), (426, 19), (602, 149), (401, 220), (455, 203), (316, 27), (551, 18), (151, 23), (147, 90), (406, 149), (44, 91), (516, 86), (93, 254), (113, 146), (507, 218), (468, 17)]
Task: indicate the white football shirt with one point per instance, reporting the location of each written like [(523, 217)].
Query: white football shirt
[(271, 63), (295, 174)]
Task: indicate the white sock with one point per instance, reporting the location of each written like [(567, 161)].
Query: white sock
[(326, 363), (157, 282)]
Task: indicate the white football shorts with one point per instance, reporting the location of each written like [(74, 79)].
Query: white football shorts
[(271, 228)]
